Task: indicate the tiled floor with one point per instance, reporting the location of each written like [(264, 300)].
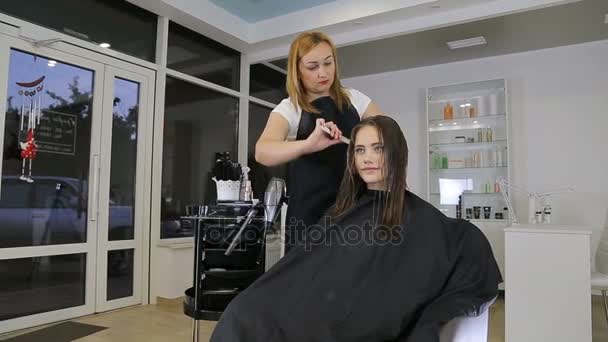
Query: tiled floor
[(166, 322)]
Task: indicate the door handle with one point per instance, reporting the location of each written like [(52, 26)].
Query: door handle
[(95, 200)]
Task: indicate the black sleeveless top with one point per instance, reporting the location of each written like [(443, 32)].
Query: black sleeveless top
[(314, 179)]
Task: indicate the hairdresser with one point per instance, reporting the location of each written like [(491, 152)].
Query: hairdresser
[(294, 133)]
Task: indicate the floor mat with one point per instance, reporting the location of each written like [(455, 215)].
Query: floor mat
[(62, 332)]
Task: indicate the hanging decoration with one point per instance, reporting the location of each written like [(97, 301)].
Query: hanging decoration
[(31, 110)]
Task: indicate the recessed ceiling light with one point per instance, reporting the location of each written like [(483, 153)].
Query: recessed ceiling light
[(105, 45), (458, 44), (52, 62)]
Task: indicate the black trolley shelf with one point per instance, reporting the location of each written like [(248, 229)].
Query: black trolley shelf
[(218, 278)]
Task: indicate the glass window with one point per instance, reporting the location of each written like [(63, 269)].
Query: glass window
[(44, 184), (56, 194), (15, 195), (126, 27), (120, 274), (198, 123), (41, 284), (266, 83), (125, 118), (260, 175), (281, 63), (199, 56)]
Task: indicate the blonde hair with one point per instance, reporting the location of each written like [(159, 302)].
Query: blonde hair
[(295, 89)]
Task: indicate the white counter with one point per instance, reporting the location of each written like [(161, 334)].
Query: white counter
[(548, 293)]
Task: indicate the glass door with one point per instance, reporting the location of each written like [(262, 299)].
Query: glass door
[(50, 125), (123, 218), (74, 191)]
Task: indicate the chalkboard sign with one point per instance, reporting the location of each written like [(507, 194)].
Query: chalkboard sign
[(56, 133)]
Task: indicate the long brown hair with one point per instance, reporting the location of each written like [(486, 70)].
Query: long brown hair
[(395, 154), (299, 47)]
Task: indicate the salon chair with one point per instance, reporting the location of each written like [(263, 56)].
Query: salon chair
[(467, 329)]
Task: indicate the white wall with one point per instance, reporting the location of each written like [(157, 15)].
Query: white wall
[(558, 113), (175, 268)]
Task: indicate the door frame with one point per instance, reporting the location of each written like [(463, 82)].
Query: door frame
[(141, 216), (101, 65), (89, 247)]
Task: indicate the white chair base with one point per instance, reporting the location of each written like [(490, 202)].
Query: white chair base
[(604, 294)]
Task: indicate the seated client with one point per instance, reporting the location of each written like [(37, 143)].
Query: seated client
[(382, 265)]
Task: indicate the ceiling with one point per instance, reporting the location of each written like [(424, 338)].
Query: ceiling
[(255, 10), (567, 24), (347, 21)]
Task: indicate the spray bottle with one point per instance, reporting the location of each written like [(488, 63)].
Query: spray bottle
[(246, 193)]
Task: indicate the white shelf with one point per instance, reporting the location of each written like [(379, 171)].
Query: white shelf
[(488, 221), (547, 229), (470, 168), (459, 124), (464, 96), (467, 146), (472, 194), (489, 98)]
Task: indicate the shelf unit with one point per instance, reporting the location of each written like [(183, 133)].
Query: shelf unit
[(468, 144)]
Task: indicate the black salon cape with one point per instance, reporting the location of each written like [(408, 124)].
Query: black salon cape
[(360, 291)]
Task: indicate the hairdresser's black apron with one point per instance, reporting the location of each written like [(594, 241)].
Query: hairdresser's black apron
[(314, 179)]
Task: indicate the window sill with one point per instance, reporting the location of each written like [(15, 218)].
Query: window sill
[(177, 243)]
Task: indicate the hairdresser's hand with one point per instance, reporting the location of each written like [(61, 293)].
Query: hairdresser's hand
[(319, 140), (336, 133)]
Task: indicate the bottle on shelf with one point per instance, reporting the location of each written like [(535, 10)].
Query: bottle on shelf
[(483, 161), (481, 106), (489, 157), (539, 217), (472, 112), (547, 214), (246, 193), (493, 104), (488, 186), (498, 156), (531, 209), (475, 162), (448, 112), (479, 135), (437, 160)]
